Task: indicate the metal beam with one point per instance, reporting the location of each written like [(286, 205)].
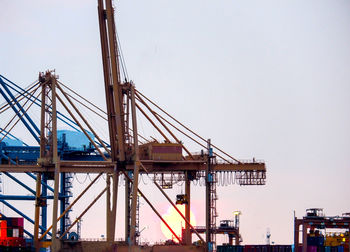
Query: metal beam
[(42, 182), (154, 209), (80, 126), (24, 230), (26, 197), (85, 121), (84, 212), (73, 203), (21, 117), (19, 182), (55, 159), (187, 220), (208, 180), (21, 109), (152, 166), (188, 235), (21, 214), (37, 102), (163, 124), (136, 170)]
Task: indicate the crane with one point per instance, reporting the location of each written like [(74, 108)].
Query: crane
[(125, 154)]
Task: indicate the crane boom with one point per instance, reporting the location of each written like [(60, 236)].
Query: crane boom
[(113, 87)]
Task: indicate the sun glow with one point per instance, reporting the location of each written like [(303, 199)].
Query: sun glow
[(175, 221)]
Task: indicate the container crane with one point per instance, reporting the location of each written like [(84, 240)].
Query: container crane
[(124, 155)]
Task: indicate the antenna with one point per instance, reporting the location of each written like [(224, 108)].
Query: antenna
[(268, 235)]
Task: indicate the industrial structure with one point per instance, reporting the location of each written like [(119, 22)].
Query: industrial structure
[(320, 233), (314, 228), (126, 153)]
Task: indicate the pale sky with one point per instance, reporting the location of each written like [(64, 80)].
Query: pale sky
[(263, 79)]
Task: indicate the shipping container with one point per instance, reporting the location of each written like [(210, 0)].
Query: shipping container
[(15, 232), (161, 151), (3, 224), (340, 249), (334, 249), (9, 232), (20, 222), (255, 248), (321, 248)]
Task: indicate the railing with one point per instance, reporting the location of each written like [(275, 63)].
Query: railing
[(243, 161)]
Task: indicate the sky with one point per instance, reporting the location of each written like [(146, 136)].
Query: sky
[(263, 79)]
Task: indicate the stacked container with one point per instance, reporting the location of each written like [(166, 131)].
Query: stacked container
[(11, 232)]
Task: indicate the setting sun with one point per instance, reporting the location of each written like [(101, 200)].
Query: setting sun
[(175, 221)]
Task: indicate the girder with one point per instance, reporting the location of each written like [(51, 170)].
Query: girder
[(152, 167)]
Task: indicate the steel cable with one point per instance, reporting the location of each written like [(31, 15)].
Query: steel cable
[(25, 90), (174, 119), (76, 177), (81, 97), (20, 117), (5, 106)]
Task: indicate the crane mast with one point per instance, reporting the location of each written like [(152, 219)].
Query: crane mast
[(114, 100), (113, 85), (119, 97)]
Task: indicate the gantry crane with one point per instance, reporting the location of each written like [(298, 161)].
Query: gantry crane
[(124, 154)]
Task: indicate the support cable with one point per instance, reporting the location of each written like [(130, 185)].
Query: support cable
[(72, 204), (36, 100), (194, 133), (190, 137), (121, 55), (24, 90), (9, 134), (19, 98), (90, 103), (81, 127), (42, 182), (86, 123), (81, 97), (84, 212), (154, 125), (131, 130), (93, 111), (153, 208), (176, 208), (162, 123)]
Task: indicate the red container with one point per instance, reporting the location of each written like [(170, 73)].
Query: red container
[(248, 248), (13, 222), (20, 222), (17, 222), (3, 224), (3, 233), (20, 231)]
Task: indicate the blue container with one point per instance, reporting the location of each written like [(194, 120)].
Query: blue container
[(220, 248), (9, 222), (340, 249)]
